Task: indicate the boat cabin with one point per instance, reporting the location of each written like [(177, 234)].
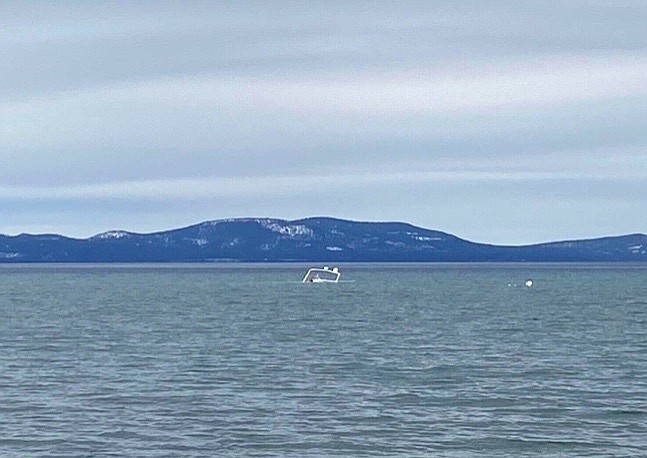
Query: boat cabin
[(323, 275)]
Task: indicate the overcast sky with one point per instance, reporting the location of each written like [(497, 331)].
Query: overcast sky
[(499, 121)]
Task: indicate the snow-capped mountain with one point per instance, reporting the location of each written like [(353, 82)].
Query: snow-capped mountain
[(310, 239)]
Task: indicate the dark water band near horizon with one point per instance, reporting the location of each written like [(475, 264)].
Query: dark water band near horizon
[(457, 360)]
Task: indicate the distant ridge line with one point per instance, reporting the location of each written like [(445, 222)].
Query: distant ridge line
[(310, 239)]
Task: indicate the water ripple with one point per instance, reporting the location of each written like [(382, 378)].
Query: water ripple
[(246, 362)]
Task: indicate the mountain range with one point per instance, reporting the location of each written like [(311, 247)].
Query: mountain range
[(309, 239)]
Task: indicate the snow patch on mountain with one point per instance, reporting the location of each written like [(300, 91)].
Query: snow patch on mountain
[(217, 222), (199, 242), (112, 235), (5, 255), (560, 245), (291, 230), (267, 246), (426, 239)]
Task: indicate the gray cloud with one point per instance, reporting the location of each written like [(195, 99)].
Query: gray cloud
[(501, 121)]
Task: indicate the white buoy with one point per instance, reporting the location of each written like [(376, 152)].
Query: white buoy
[(529, 283)]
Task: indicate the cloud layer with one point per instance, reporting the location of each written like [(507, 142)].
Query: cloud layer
[(502, 123)]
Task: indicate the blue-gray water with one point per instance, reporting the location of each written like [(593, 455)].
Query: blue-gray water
[(448, 361)]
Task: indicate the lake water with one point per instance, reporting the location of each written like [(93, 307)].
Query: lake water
[(243, 360)]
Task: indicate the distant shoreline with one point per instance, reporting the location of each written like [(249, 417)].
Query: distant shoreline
[(345, 265), (309, 240)]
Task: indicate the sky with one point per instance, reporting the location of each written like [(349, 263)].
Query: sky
[(505, 122)]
